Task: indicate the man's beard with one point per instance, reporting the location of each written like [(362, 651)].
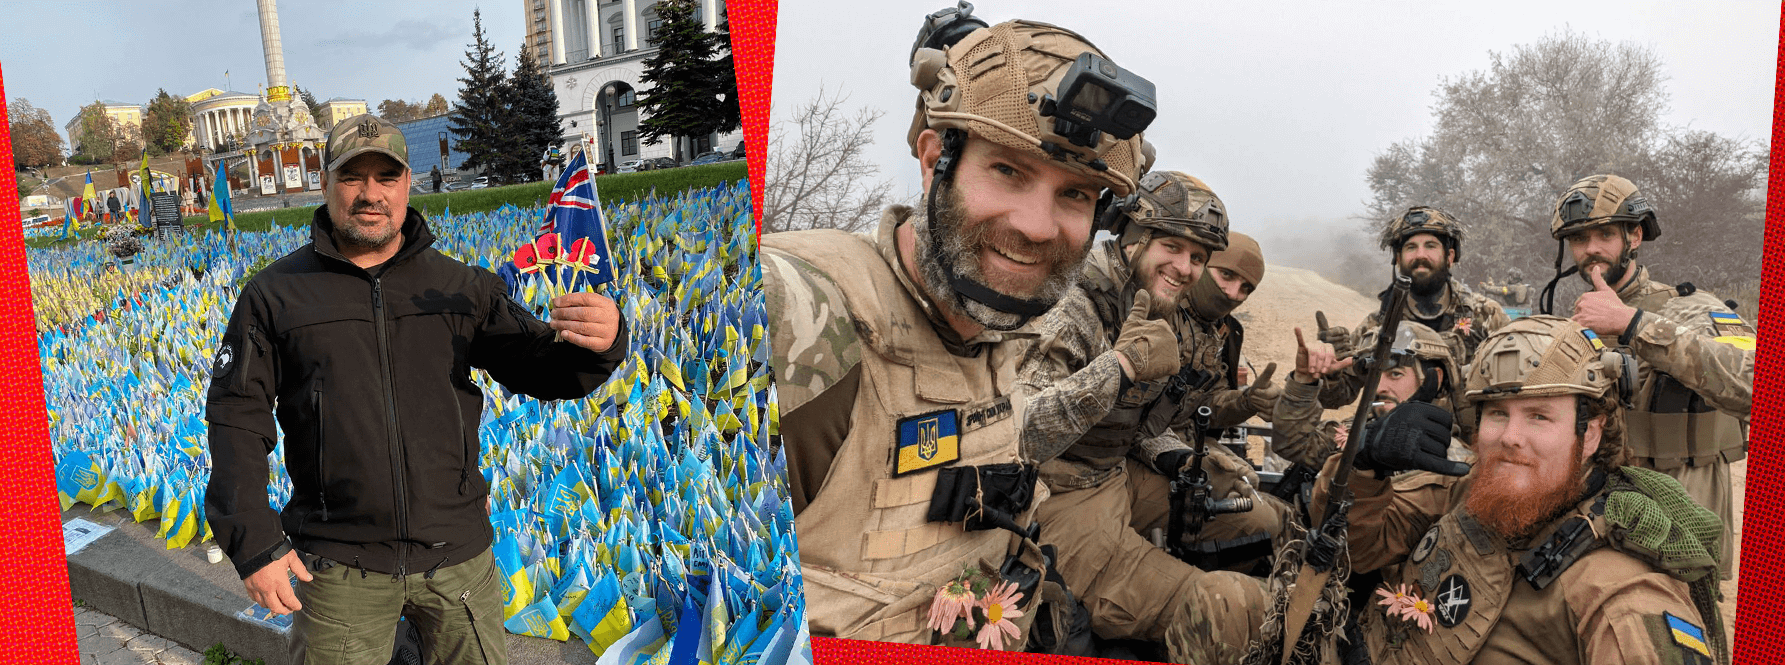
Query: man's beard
[(360, 237), (1614, 270), (961, 242), (1517, 512), (1433, 283)]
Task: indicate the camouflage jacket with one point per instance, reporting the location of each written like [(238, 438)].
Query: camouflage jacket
[(817, 352), (1513, 295), (1695, 339), (1465, 320), (1079, 395)]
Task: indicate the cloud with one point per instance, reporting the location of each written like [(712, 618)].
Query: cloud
[(417, 35)]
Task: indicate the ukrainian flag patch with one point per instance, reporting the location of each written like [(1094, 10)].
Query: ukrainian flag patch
[(1731, 329), (928, 441), (1593, 338), (1688, 636)]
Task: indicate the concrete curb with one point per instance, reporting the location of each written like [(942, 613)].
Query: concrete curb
[(178, 595)]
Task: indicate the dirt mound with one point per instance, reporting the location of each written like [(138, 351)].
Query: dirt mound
[(1287, 298)]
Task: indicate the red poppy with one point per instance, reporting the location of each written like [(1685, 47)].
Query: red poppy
[(582, 252), (526, 259), (549, 248)]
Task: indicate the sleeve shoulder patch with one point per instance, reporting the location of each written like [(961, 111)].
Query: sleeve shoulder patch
[(812, 332)]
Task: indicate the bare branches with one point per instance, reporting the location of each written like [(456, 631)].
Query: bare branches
[(819, 175)]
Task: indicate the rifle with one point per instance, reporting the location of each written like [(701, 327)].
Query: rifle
[(1191, 503), (1314, 573)]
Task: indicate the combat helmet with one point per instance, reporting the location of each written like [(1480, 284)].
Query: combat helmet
[(1172, 203), (1599, 200), (1541, 356), (1034, 87), (1424, 219), (1416, 341)]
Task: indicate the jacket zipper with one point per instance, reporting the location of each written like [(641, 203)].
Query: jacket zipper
[(395, 441), (321, 474), (464, 446)]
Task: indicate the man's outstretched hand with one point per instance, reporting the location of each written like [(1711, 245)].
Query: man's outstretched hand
[(588, 320)]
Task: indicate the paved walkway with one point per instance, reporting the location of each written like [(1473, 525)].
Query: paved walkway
[(107, 640)]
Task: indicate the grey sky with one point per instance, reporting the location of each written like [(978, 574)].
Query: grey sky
[(62, 55), (1281, 106)]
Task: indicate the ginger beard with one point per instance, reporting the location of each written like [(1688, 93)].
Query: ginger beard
[(1513, 493), (963, 243)]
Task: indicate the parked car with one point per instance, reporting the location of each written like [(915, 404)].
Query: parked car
[(480, 182), (631, 166), (37, 220), (709, 158), (738, 152), (656, 163)]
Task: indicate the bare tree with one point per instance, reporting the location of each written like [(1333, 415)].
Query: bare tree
[(819, 175), (1510, 139)]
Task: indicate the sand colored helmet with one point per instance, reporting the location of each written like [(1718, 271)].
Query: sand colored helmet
[(1599, 200), (1003, 84), (1424, 219), (1176, 204), (1414, 340), (1540, 356)]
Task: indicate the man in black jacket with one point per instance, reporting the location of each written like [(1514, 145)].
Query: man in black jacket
[(362, 344)]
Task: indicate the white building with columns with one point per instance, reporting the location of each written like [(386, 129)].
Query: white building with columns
[(220, 119), (598, 49)]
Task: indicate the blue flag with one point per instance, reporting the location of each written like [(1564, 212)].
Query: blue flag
[(574, 213)]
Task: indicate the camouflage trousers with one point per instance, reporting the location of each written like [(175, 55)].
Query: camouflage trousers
[(352, 619), (1134, 590)]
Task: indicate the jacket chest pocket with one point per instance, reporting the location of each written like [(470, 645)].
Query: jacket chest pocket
[(433, 327), (310, 339)]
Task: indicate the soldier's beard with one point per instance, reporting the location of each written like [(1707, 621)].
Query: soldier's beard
[(962, 242), (1516, 510), (1614, 270), (1432, 283)]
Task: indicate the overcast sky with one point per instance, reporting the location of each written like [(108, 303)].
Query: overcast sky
[(62, 55), (1281, 106)]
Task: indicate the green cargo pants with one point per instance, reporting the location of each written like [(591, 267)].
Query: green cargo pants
[(350, 617)]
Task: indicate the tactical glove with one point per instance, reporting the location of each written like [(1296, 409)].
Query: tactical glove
[(1337, 336), (1415, 435), (1149, 344), (1261, 396)]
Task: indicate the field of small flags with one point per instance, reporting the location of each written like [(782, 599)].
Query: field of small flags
[(649, 520)]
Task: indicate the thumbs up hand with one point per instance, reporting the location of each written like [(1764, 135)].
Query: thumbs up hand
[(1600, 309)]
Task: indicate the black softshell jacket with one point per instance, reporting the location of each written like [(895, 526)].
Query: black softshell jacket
[(370, 375)]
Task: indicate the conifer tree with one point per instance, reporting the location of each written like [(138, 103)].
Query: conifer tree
[(532, 119), (477, 121), (683, 96)]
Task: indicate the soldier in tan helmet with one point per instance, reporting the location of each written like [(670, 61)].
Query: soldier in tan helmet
[(1695, 378), (1548, 550), (1108, 415), (896, 353), (1425, 243)]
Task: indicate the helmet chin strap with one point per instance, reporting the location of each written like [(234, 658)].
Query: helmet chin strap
[(953, 141)]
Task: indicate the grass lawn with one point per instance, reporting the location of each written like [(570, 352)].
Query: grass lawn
[(618, 187)]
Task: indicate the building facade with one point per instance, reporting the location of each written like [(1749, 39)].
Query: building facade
[(128, 116), (597, 50), (337, 109), (221, 119), (430, 143)]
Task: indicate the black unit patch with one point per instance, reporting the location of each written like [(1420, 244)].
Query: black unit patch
[(1425, 545), (226, 356), (1452, 603)]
